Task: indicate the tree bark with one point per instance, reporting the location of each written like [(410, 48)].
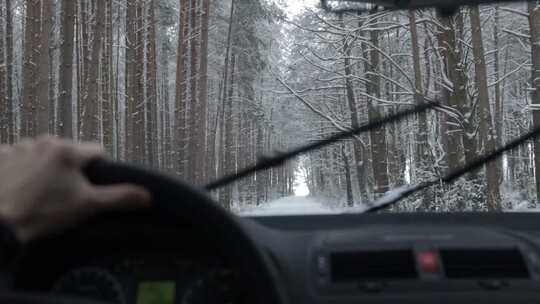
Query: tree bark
[(151, 81), (422, 153), (65, 112), (348, 183), (194, 114), (28, 126), (534, 26), (3, 80), (132, 102), (377, 137), (202, 154), (229, 148), (43, 101), (358, 148), (487, 133), (9, 75), (455, 95), (91, 100), (181, 91), (108, 109)]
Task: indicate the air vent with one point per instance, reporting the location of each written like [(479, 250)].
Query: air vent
[(483, 263), (372, 265)]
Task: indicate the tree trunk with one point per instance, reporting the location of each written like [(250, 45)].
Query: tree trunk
[(151, 91), (91, 100), (353, 112), (3, 80), (194, 129), (487, 133), (202, 154), (422, 153), (9, 75), (43, 102), (453, 134), (377, 137), (181, 91), (28, 108), (534, 25), (132, 125), (225, 195), (108, 109), (139, 116), (350, 199), (65, 112)]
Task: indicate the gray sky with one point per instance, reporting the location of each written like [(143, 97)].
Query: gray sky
[(295, 7)]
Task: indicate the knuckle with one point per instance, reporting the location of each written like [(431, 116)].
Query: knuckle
[(54, 148), (47, 144)]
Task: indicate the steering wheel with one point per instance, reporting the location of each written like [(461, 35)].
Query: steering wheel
[(175, 198)]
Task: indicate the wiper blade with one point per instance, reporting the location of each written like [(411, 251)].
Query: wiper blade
[(266, 162), (396, 195)]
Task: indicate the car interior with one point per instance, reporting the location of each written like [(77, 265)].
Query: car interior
[(194, 251)]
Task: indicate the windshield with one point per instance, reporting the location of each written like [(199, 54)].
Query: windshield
[(200, 89)]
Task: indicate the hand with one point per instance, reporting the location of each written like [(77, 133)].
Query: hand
[(43, 189)]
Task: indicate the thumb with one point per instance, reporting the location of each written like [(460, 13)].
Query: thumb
[(120, 196)]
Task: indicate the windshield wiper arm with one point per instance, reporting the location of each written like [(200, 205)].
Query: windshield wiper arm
[(265, 162), (396, 195)]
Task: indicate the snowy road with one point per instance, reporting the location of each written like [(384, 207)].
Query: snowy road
[(291, 205)]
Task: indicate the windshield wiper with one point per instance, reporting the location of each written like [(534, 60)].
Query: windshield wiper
[(396, 195), (266, 162)]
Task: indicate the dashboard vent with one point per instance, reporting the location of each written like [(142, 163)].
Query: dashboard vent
[(483, 263), (372, 265)]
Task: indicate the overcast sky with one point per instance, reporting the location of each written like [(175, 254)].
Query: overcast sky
[(295, 7)]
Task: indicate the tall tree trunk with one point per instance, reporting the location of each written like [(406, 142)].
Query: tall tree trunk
[(353, 112), (108, 109), (139, 116), (65, 111), (78, 67), (424, 160), (534, 25), (132, 125), (181, 91), (9, 75), (348, 183), (202, 154), (91, 100), (151, 91), (377, 137), (43, 102), (487, 133), (83, 63), (499, 122), (225, 195), (422, 152), (3, 80), (454, 94), (225, 192), (194, 114), (32, 17)]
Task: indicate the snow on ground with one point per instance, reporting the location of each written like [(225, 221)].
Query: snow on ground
[(291, 205)]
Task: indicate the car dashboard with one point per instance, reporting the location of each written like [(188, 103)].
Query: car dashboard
[(349, 258)]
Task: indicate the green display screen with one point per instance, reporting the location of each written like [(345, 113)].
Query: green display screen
[(157, 292)]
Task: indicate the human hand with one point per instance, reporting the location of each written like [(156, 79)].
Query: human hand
[(43, 188)]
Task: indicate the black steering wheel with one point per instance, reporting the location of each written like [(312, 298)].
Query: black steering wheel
[(175, 198)]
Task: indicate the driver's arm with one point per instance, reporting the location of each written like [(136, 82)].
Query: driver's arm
[(43, 190)]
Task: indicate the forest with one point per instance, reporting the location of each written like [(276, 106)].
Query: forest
[(202, 88)]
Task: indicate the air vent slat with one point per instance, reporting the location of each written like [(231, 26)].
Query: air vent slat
[(483, 263), (372, 265)]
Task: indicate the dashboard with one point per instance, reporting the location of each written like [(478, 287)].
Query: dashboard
[(134, 260), (373, 258)]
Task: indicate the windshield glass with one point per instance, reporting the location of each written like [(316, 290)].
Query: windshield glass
[(200, 89)]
